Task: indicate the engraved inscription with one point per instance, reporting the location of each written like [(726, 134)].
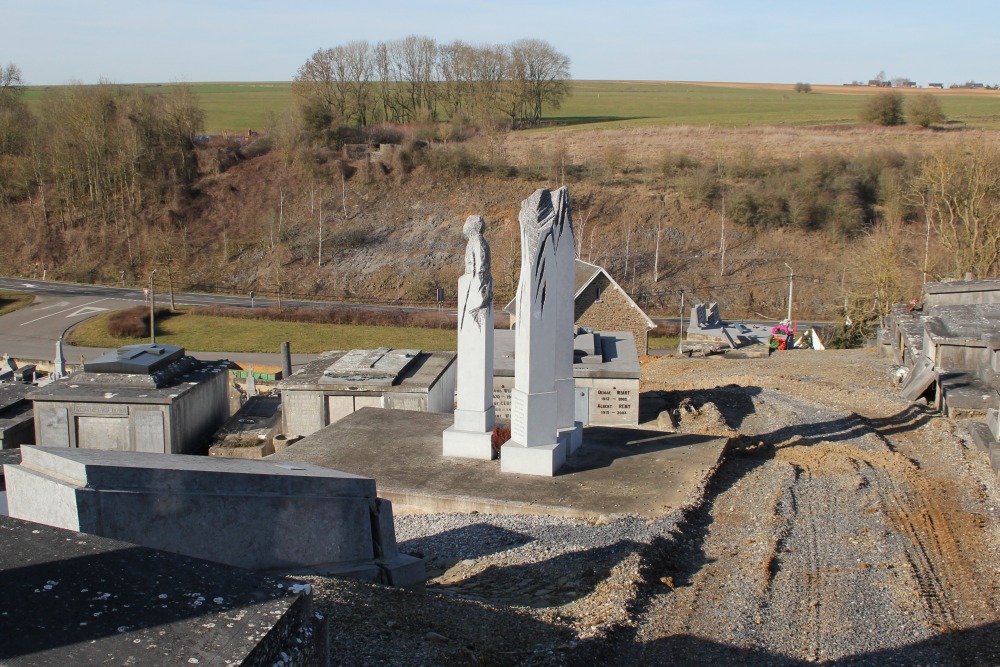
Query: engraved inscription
[(615, 403), (96, 409), (518, 418), (501, 401)]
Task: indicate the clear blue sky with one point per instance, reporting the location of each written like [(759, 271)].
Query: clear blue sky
[(780, 41)]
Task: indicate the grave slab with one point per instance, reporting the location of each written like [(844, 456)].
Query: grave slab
[(260, 515), (75, 599)]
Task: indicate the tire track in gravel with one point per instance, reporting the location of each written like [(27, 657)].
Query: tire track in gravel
[(805, 519)]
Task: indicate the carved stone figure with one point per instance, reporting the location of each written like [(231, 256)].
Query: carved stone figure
[(471, 434), (478, 294)]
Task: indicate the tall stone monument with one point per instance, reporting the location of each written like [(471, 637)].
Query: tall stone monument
[(535, 447), (471, 435), (570, 430)]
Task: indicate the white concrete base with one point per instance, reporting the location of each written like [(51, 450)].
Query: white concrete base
[(467, 444), (572, 437), (475, 421), (532, 418), (542, 460)]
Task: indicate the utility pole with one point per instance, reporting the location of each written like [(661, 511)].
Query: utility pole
[(170, 283), (791, 281), (680, 340), (152, 306)]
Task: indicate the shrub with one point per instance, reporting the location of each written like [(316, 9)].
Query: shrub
[(132, 322), (338, 315), (803, 87), (501, 434), (924, 110), (883, 109), (675, 163)]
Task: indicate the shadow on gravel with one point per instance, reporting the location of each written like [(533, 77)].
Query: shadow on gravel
[(849, 427), (548, 583), (482, 539)]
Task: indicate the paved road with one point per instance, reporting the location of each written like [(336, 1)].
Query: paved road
[(32, 332)]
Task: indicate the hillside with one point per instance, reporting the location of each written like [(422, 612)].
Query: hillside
[(829, 202)]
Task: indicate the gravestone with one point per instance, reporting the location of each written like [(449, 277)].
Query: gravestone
[(471, 434), (535, 447), (570, 430), (260, 515)]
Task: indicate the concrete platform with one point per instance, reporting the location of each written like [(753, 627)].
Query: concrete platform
[(618, 470), (74, 599)]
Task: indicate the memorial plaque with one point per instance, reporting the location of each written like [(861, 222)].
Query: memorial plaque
[(339, 407), (149, 435), (614, 402), (53, 426)]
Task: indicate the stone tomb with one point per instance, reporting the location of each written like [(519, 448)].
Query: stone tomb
[(338, 383), (605, 372), (260, 515), (143, 398), (73, 599), (17, 421)]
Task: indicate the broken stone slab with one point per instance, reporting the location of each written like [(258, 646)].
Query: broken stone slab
[(919, 379), (260, 515)]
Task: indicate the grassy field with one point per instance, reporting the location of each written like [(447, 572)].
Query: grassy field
[(200, 333), (654, 103), (11, 301), (236, 107)]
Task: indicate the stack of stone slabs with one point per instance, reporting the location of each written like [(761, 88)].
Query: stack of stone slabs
[(338, 383), (75, 599), (605, 374), (258, 515)]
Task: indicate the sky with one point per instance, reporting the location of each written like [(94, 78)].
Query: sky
[(770, 41)]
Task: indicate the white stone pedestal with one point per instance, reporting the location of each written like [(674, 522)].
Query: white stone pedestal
[(542, 460), (467, 444), (533, 448)]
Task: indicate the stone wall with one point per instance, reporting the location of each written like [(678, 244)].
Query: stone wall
[(606, 308)]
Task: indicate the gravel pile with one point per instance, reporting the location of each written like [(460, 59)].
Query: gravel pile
[(843, 525)]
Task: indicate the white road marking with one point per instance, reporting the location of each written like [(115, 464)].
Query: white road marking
[(86, 310), (28, 285), (59, 312)]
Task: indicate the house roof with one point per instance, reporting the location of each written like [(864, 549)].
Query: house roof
[(585, 274)]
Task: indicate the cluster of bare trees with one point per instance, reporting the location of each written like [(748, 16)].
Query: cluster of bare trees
[(416, 79), (103, 158)]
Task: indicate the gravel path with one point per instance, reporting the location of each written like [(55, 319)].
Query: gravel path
[(843, 526)]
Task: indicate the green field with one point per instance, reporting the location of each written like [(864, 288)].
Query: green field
[(201, 333), (237, 107)]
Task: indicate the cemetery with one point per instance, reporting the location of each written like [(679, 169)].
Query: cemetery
[(949, 352), (314, 479)]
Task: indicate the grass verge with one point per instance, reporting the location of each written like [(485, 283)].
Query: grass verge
[(11, 301), (204, 333), (663, 342)]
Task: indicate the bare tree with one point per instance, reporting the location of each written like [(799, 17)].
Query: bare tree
[(539, 77), (959, 192)]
